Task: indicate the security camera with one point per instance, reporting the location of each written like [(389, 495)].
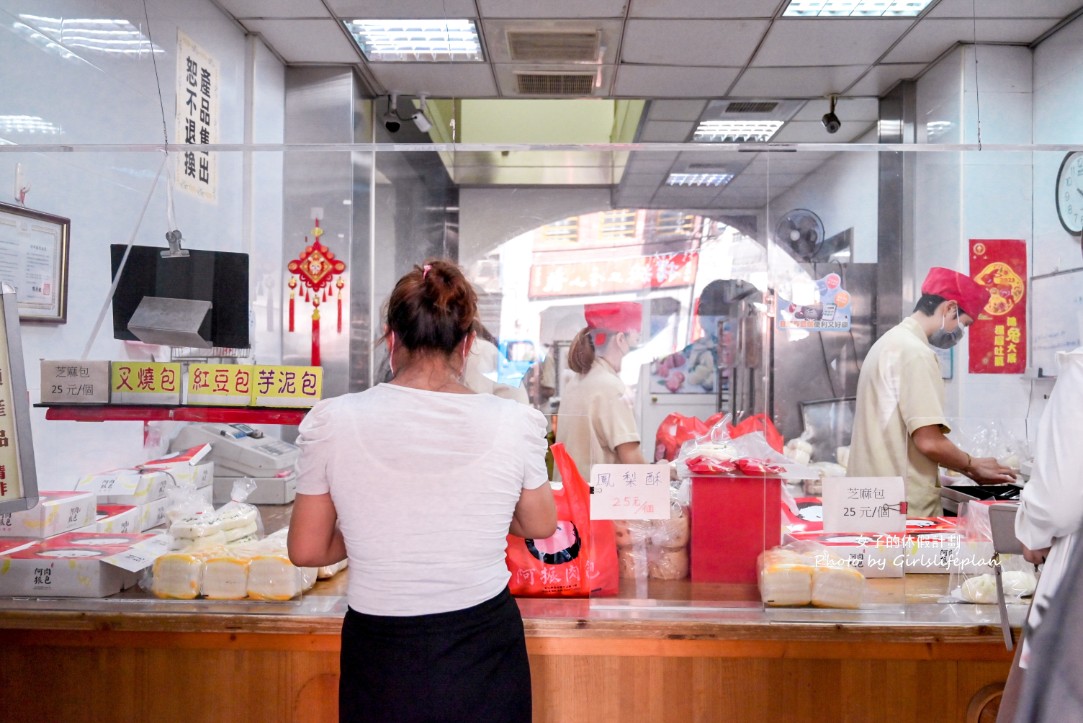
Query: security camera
[(831, 122), (391, 118)]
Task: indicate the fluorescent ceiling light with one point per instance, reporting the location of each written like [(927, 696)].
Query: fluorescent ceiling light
[(690, 180), (102, 35), (27, 124), (719, 131), (854, 8), (406, 41)]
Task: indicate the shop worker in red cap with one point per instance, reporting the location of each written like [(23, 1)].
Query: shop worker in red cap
[(899, 424), (596, 421)]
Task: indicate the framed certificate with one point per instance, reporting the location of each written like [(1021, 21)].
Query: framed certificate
[(34, 260)]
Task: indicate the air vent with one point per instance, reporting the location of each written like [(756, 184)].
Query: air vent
[(554, 47), (751, 107), (555, 84)]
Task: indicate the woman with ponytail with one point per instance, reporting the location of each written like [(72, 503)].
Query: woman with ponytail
[(418, 481)]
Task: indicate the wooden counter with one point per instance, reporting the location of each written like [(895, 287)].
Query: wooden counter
[(671, 652)]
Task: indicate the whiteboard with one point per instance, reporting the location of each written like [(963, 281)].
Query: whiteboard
[(1056, 317)]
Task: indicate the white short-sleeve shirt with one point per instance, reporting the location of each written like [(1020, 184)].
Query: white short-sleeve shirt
[(595, 417), (899, 390), (424, 484)]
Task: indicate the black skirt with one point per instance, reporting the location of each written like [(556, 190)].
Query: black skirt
[(465, 665)]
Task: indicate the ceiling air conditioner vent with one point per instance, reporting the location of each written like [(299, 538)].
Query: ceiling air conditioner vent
[(550, 84), (554, 47), (751, 106)]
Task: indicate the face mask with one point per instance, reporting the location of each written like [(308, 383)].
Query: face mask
[(946, 339)]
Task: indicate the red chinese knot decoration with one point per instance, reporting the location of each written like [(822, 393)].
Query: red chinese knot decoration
[(315, 269)]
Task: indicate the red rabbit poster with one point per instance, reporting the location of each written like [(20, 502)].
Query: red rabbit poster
[(998, 337)]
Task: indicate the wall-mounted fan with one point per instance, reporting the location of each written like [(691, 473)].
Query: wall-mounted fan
[(801, 231)]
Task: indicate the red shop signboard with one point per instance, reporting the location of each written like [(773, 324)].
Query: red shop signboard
[(998, 337)]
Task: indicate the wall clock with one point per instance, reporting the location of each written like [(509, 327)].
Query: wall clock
[(1070, 193)]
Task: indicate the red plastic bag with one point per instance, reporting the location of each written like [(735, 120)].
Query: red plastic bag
[(759, 423), (580, 559), (675, 430)]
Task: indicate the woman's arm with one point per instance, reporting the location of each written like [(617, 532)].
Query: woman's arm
[(535, 515), (314, 538)]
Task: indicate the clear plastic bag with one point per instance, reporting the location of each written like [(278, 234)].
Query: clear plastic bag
[(973, 564)]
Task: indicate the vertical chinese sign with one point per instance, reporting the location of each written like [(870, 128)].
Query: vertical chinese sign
[(197, 118), (998, 337)]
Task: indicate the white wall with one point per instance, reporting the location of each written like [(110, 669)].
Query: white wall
[(101, 97)]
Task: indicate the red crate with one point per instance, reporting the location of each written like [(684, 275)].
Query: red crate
[(734, 519)]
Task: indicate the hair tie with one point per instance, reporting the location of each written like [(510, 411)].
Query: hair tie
[(425, 270)]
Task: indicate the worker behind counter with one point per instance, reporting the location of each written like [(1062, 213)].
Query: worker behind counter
[(899, 423), (596, 422)]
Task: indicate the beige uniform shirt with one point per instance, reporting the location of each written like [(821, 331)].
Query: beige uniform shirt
[(899, 391), (595, 417)]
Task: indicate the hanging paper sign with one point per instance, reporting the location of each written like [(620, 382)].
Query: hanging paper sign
[(830, 312), (228, 384), (864, 504), (287, 386), (145, 383), (998, 337), (629, 492), (197, 118)]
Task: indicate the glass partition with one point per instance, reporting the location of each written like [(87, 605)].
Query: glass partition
[(760, 279)]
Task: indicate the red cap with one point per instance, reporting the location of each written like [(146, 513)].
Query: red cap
[(968, 293), (614, 316)]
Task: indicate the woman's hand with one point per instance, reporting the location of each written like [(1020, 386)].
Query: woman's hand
[(1036, 557)]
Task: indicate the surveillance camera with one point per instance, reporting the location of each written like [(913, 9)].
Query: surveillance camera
[(831, 122), (391, 123)]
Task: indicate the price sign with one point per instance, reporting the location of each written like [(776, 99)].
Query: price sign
[(864, 504), (629, 492), (141, 555)]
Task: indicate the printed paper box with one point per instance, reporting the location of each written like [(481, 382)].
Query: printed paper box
[(186, 467), (874, 555), (71, 381), (153, 513), (126, 486), (224, 384), (117, 518), (281, 386), (56, 512), (70, 565), (133, 382)]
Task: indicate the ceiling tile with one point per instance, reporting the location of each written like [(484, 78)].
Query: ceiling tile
[(642, 180), (814, 131), (645, 161), (828, 42), (691, 42), (932, 37), (800, 82), (688, 110), (275, 8), (882, 78), (307, 41), (1004, 9), (373, 9), (438, 80), (703, 8), (665, 132), (848, 109), (551, 9), (662, 81)]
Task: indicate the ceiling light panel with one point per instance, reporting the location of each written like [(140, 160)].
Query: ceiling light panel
[(854, 8), (698, 180), (735, 131), (417, 41)]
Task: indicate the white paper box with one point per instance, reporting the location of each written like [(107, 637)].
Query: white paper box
[(188, 467), (56, 512), (153, 514), (118, 518), (126, 486), (69, 565)]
